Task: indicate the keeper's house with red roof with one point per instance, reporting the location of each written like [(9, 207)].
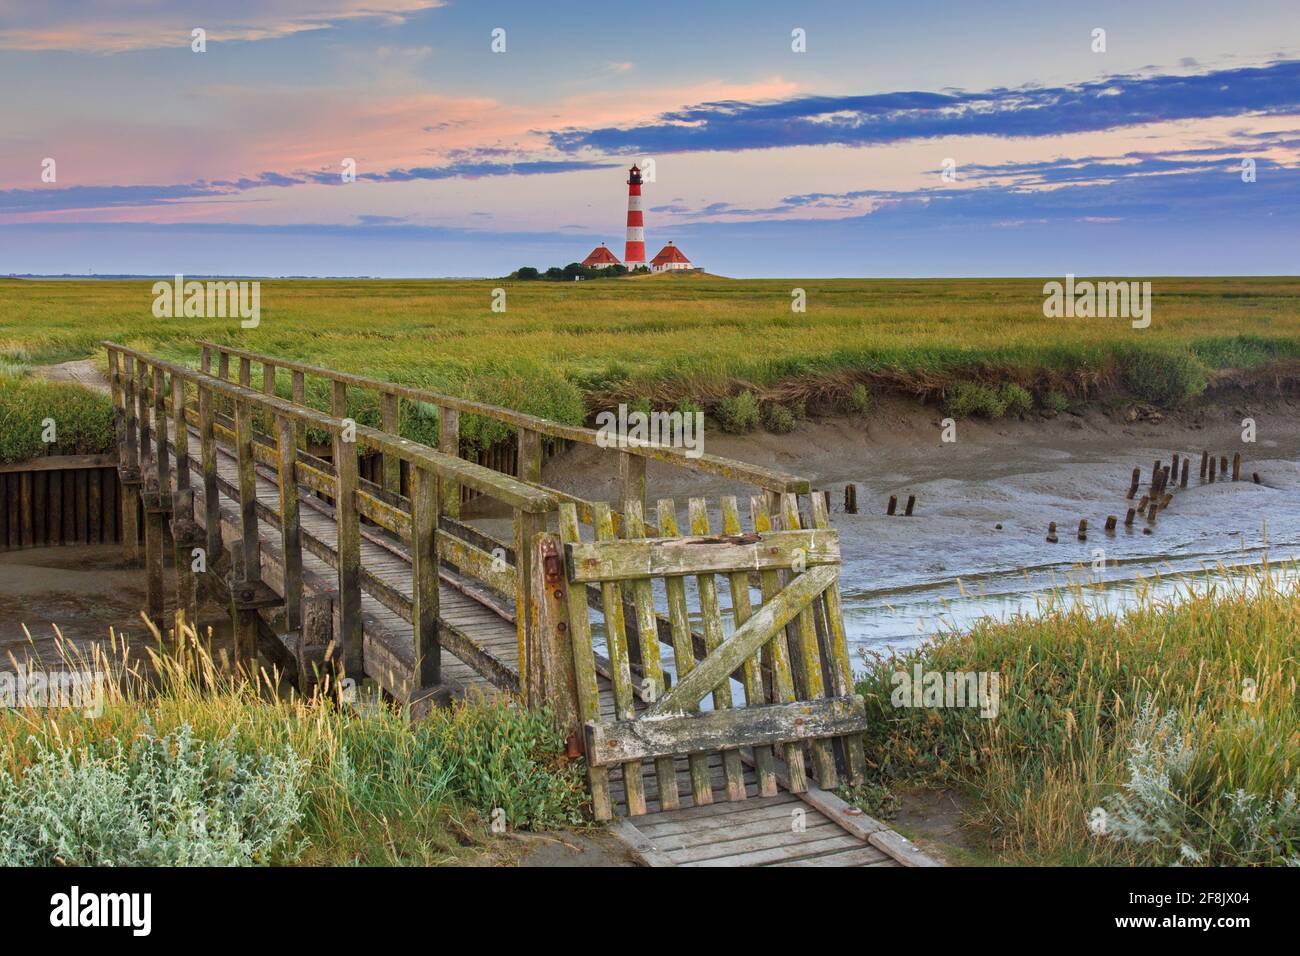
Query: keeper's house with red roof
[(600, 258), (669, 258)]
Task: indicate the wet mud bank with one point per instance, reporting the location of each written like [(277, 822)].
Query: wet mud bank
[(976, 543)]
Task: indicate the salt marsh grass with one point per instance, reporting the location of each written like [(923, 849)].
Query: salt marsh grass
[(1166, 734)]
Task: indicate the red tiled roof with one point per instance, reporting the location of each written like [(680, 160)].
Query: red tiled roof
[(600, 256), (669, 253)]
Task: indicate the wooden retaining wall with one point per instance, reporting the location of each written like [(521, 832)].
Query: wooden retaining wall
[(60, 499)]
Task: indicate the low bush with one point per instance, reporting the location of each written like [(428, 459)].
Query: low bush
[(1015, 399), (737, 414), (974, 400), (1165, 377), (778, 419)]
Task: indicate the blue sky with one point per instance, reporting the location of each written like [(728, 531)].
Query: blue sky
[(767, 161)]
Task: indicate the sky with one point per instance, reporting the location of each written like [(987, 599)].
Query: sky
[(838, 138)]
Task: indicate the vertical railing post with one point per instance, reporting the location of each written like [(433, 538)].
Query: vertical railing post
[(208, 454), (424, 577), (205, 360), (390, 408), (339, 399), (160, 432), (298, 391), (180, 433), (142, 412), (631, 478), (349, 553), (245, 371), (247, 568), (449, 444), (554, 681), (127, 464), (290, 523), (527, 526), (530, 456), (185, 537)]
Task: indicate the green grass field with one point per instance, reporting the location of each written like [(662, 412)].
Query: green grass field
[(562, 349)]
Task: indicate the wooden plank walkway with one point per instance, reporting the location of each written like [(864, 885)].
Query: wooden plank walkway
[(812, 829)]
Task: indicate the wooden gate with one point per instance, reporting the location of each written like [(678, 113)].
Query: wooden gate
[(780, 682)]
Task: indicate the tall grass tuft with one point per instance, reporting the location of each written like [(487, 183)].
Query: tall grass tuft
[(337, 784), (1179, 720)]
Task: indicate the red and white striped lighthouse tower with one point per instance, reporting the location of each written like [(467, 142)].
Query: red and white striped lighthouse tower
[(634, 253)]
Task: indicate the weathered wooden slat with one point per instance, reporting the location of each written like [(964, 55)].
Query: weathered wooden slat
[(773, 615), (711, 625), (647, 629), (424, 577), (683, 647), (623, 740), (584, 668), (809, 684), (776, 654), (290, 522), (348, 532), (616, 640), (732, 552), (751, 679), (841, 668)]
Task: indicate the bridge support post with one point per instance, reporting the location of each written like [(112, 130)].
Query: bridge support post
[(186, 536), (314, 638), (527, 527), (130, 503), (347, 521), (424, 578), (155, 518), (551, 678)]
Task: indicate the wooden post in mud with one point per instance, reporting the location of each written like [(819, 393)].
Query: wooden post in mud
[(1142, 505), (1186, 468), (1083, 529), (1174, 470), (1155, 476), (1051, 532), (1213, 463), (1205, 455), (1236, 466), (1137, 479), (911, 503), (1223, 467), (893, 504), (1255, 477), (1111, 521), (1151, 512), (850, 499), (1128, 518)]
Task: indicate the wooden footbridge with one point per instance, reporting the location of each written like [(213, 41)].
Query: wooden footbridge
[(700, 665)]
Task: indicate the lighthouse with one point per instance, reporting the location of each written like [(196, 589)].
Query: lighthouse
[(634, 254)]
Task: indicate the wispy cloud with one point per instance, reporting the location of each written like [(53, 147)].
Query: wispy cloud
[(1027, 111), (155, 24)]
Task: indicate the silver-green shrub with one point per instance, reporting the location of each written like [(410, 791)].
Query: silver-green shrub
[(170, 800)]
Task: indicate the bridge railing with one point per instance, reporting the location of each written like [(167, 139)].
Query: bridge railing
[(156, 403), (532, 430)]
